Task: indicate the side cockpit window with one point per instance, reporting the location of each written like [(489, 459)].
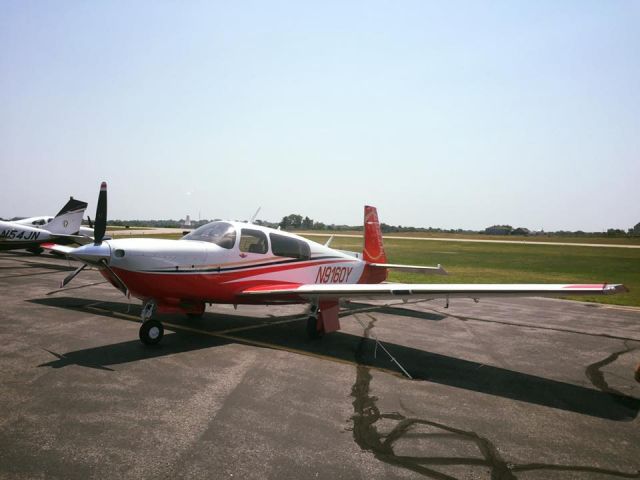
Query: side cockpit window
[(284, 246), (221, 233), (253, 241)]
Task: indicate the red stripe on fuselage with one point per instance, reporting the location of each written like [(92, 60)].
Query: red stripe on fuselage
[(216, 287)]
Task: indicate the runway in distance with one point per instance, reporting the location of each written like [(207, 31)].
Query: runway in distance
[(30, 233), (242, 263)]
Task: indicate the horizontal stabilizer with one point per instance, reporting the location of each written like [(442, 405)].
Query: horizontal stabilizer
[(411, 268), (79, 239)]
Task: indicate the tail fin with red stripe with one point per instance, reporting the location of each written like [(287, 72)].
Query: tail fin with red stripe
[(373, 247)]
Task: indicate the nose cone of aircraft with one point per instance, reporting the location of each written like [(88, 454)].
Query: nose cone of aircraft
[(92, 253)]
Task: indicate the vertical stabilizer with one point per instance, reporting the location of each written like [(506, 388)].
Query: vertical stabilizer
[(373, 247), (69, 219)]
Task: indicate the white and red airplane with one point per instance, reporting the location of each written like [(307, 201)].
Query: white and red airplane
[(241, 263), (31, 232)]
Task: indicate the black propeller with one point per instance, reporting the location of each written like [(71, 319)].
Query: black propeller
[(72, 275), (94, 255), (90, 222), (117, 281), (101, 215)]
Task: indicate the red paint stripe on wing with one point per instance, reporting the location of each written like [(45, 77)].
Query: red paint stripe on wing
[(598, 286)]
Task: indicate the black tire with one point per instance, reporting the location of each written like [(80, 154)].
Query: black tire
[(151, 332), (312, 328), (35, 250)]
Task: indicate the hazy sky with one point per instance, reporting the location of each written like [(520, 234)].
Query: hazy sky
[(449, 114)]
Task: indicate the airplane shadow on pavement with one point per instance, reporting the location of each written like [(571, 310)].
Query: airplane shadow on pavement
[(289, 333)]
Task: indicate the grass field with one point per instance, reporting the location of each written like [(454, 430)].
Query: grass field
[(510, 238), (509, 263)]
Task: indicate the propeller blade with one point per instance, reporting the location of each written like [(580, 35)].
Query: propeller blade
[(90, 222), (72, 275), (120, 284), (328, 242), (101, 215)]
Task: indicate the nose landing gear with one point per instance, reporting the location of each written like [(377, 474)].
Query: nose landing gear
[(151, 331)]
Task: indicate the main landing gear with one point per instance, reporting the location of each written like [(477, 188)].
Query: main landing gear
[(314, 330), (151, 331), (324, 318)]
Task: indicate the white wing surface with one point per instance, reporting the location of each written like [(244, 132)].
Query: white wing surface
[(429, 291)]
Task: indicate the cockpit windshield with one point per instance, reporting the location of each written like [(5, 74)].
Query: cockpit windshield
[(221, 233)]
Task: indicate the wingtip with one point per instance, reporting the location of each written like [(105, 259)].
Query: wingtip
[(616, 288), (621, 288)]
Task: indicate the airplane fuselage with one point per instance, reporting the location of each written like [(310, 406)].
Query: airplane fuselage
[(14, 236), (200, 271)]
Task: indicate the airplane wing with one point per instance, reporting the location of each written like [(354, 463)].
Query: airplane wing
[(428, 291)]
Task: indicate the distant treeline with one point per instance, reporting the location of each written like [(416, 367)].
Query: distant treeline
[(509, 230), (156, 223), (298, 222)]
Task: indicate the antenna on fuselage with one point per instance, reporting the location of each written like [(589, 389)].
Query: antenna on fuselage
[(255, 215), (328, 242)]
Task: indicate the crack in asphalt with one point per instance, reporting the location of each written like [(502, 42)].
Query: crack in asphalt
[(366, 435), (596, 376)]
